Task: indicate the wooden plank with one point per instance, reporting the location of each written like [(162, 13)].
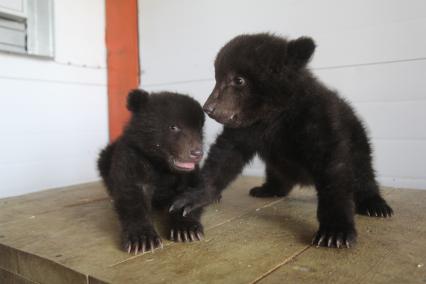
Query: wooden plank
[(388, 251), (37, 269), (12, 278), (246, 238), (14, 209), (237, 251), (85, 235)]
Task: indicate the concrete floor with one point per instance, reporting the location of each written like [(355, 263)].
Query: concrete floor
[(71, 235)]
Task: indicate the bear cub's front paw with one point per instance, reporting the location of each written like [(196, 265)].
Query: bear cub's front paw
[(335, 237), (186, 231), (140, 239)]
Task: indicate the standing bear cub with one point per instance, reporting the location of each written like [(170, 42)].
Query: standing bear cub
[(272, 105), (154, 161)]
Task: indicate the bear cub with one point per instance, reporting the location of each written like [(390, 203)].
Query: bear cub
[(155, 160), (272, 105)]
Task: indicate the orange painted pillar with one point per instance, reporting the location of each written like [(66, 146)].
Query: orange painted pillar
[(122, 59)]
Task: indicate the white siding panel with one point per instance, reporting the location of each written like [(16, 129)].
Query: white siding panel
[(395, 120), (82, 39), (401, 163), (393, 82), (51, 134), (187, 34), (36, 175)]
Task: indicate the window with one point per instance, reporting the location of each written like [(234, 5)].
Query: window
[(26, 26)]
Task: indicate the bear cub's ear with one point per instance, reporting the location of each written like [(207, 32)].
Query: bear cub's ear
[(136, 99), (300, 50)]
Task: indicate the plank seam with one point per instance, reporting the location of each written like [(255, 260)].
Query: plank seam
[(276, 267)]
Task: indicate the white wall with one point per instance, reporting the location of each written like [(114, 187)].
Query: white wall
[(53, 113), (372, 51)]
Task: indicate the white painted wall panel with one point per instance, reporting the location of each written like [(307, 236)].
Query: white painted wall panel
[(53, 113), (79, 32), (395, 120), (372, 51), (390, 82), (401, 163), (188, 33)]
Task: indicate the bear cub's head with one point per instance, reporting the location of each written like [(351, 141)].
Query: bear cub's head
[(166, 127), (255, 73)]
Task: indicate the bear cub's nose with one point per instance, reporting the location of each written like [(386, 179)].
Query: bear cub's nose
[(196, 154)]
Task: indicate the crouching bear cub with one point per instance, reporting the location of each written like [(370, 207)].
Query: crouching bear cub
[(155, 160), (272, 105)]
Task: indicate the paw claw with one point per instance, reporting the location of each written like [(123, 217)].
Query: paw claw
[(330, 242), (136, 249), (321, 240), (172, 208), (185, 236), (187, 230), (334, 237), (200, 236), (138, 238), (143, 249), (186, 211)]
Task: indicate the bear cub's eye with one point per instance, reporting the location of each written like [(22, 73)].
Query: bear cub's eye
[(174, 128), (239, 81)]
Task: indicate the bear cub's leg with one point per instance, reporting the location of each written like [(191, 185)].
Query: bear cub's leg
[(335, 214), (186, 228), (276, 184), (138, 233)]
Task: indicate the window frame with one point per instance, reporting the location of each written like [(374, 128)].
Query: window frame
[(38, 18)]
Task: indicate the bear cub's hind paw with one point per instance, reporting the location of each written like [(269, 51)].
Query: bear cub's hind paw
[(374, 207), (141, 240), (186, 231), (335, 238)]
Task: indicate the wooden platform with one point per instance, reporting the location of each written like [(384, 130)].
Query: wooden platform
[(71, 235)]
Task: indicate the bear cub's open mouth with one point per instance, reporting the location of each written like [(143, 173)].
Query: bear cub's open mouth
[(184, 166)]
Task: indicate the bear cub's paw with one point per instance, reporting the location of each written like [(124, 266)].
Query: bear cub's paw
[(374, 207), (186, 230), (267, 191), (141, 239), (335, 237)]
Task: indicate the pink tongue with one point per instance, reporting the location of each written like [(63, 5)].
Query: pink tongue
[(185, 165)]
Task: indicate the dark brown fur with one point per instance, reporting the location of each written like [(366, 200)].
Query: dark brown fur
[(272, 105), (140, 169)]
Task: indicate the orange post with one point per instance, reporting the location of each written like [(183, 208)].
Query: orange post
[(122, 59)]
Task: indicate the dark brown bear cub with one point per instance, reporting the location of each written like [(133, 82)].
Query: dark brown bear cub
[(154, 161), (272, 105)]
